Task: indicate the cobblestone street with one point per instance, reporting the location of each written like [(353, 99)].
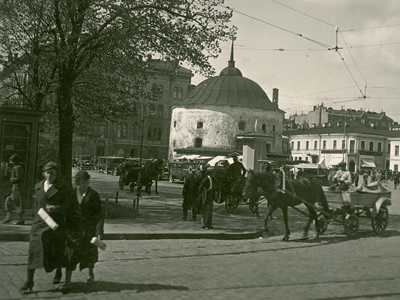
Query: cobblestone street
[(210, 269)]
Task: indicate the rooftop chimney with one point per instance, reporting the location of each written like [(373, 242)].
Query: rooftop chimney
[(275, 93)]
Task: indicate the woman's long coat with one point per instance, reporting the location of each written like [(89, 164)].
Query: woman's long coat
[(47, 246), (79, 248)]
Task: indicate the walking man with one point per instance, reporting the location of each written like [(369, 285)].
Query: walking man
[(14, 202)]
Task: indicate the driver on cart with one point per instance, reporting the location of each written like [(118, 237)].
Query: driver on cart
[(236, 172), (342, 179)]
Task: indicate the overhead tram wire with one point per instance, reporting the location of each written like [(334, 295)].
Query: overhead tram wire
[(290, 97), (335, 102), (352, 56), (300, 12), (278, 27), (366, 28)]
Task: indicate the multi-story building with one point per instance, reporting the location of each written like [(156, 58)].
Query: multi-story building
[(394, 153), (354, 143), (327, 115), (122, 137)]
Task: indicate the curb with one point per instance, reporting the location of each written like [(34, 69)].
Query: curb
[(152, 236)]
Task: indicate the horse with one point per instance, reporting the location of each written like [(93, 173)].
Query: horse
[(151, 172), (296, 191)]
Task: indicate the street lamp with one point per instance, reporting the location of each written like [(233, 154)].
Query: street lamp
[(139, 185)]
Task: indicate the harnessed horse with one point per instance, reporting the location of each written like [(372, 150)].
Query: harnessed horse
[(283, 192), (150, 173)]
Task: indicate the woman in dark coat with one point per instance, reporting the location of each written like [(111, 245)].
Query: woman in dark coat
[(47, 246), (79, 248)]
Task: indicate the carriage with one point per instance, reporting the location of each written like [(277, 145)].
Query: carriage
[(369, 202), (129, 173)]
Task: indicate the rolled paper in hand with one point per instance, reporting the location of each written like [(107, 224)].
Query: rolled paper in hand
[(49, 221), (98, 243)]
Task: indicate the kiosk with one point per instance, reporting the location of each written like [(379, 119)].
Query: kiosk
[(19, 129)]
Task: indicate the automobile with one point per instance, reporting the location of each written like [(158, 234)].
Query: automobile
[(317, 172), (85, 162), (109, 164), (178, 170)]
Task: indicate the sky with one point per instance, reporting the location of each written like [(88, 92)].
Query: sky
[(304, 70)]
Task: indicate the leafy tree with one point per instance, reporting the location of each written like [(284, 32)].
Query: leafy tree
[(82, 59)]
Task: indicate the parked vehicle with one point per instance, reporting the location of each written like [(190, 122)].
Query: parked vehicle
[(314, 171), (85, 162), (179, 170), (109, 164)]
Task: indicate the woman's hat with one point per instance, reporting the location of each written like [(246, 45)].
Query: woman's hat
[(50, 165), (82, 174)]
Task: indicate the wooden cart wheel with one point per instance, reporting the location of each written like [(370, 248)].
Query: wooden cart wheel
[(351, 225), (381, 220), (322, 223), (171, 178), (231, 203), (121, 183)]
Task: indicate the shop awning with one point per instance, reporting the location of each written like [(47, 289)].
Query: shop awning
[(368, 163), (335, 161)]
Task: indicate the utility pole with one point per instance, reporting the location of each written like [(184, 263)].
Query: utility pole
[(139, 185)]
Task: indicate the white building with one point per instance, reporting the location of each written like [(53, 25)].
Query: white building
[(357, 145), (394, 153), (221, 109)]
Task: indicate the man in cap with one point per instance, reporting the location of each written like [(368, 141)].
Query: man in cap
[(345, 180), (14, 202)]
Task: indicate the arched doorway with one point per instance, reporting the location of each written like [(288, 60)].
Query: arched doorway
[(134, 153), (100, 148), (352, 166)]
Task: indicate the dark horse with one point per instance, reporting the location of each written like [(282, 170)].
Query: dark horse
[(151, 172), (295, 192), (190, 193)]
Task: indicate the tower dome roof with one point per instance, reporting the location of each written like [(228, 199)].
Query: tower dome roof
[(229, 88)]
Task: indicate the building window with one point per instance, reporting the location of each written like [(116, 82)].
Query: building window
[(362, 145), (307, 144), (334, 144), (174, 123), (396, 168), (273, 128), (371, 146), (102, 130), (292, 145), (388, 147), (396, 151), (154, 133), (298, 145), (324, 145), (352, 146), (242, 125), (306, 158), (315, 145), (199, 124), (380, 147), (175, 93), (264, 128), (122, 128), (343, 144), (198, 142), (268, 148), (180, 93), (160, 111)]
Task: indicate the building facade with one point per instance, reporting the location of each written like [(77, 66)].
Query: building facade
[(394, 154), (327, 115), (357, 145), (122, 138)]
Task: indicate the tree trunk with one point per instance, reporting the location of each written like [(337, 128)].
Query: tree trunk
[(66, 119)]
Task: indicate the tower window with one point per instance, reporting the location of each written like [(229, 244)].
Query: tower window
[(264, 128), (199, 124), (242, 125), (198, 142)]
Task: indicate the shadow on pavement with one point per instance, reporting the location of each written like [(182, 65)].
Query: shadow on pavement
[(108, 286)]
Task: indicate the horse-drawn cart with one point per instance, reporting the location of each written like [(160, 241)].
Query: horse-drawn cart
[(348, 206), (129, 173)]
